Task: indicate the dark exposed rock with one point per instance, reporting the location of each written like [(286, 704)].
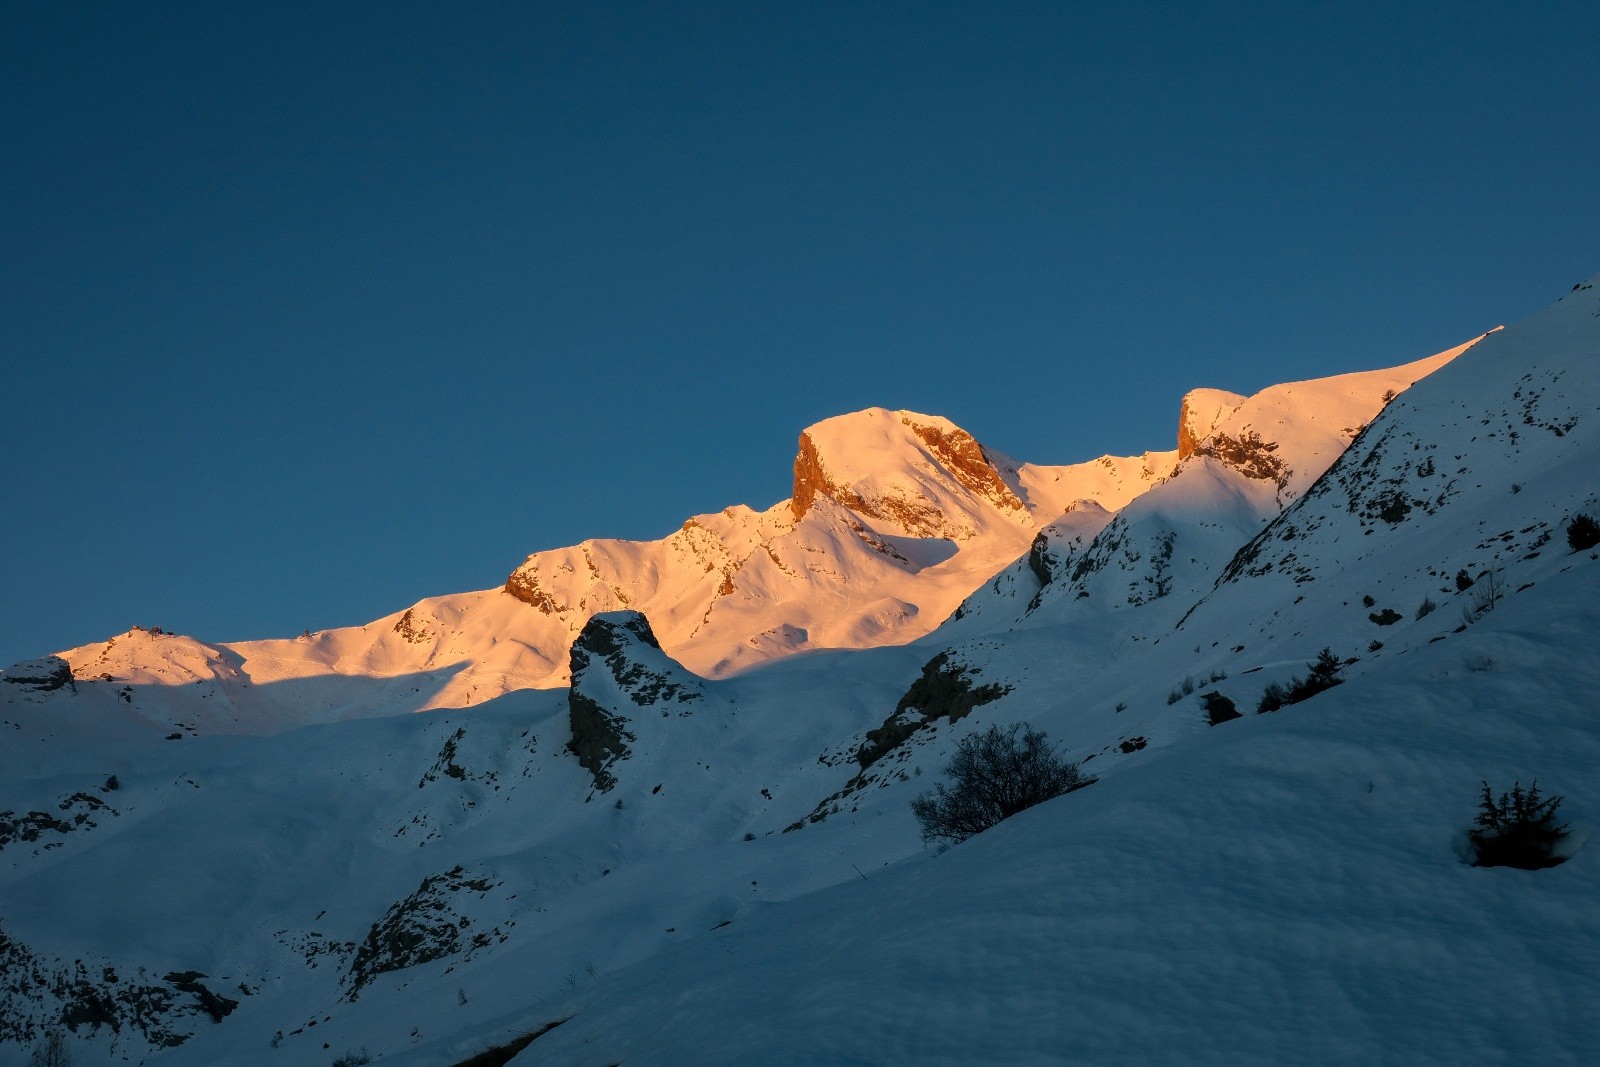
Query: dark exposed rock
[(524, 585), (960, 453), (80, 811), (1201, 412), (446, 765), (1249, 455), (945, 690), (410, 629), (617, 652), (422, 927), (1040, 561), (43, 675), (213, 1004), (599, 738), (38, 993), (812, 481), (645, 683), (1219, 708)]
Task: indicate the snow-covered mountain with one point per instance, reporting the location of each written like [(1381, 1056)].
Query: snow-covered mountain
[(681, 860), (895, 518)]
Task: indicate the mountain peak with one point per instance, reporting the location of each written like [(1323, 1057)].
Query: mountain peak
[(899, 466)]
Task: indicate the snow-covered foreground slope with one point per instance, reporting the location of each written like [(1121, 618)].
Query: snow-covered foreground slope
[(694, 870), (1287, 888)]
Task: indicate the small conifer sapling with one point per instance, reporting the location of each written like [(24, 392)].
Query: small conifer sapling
[(1519, 830)]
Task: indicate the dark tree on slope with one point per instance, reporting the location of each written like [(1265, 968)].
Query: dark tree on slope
[(51, 1051), (994, 775), (1519, 830), (1583, 532), (1322, 673)]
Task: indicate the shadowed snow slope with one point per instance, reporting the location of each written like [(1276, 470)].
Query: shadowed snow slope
[(1284, 889)]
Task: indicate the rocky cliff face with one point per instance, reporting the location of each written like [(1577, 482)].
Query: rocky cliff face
[(812, 481), (947, 450), (1201, 412), (618, 669)]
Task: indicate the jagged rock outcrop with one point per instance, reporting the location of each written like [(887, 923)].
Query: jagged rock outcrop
[(947, 689), (617, 663), (39, 992), (1201, 412), (43, 675), (812, 481), (1248, 454), (428, 924), (412, 629), (1055, 548)]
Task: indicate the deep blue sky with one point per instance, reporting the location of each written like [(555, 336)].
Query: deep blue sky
[(308, 312)]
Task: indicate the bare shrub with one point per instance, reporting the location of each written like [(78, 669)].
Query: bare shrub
[(1489, 591), (994, 775), (51, 1051)]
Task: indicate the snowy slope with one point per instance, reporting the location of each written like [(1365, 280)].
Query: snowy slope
[(1241, 461), (1284, 889)]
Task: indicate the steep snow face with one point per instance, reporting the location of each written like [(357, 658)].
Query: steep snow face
[(1243, 460), (1463, 486), (895, 517)]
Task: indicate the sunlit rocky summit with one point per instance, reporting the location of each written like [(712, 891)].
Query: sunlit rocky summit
[(648, 802)]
